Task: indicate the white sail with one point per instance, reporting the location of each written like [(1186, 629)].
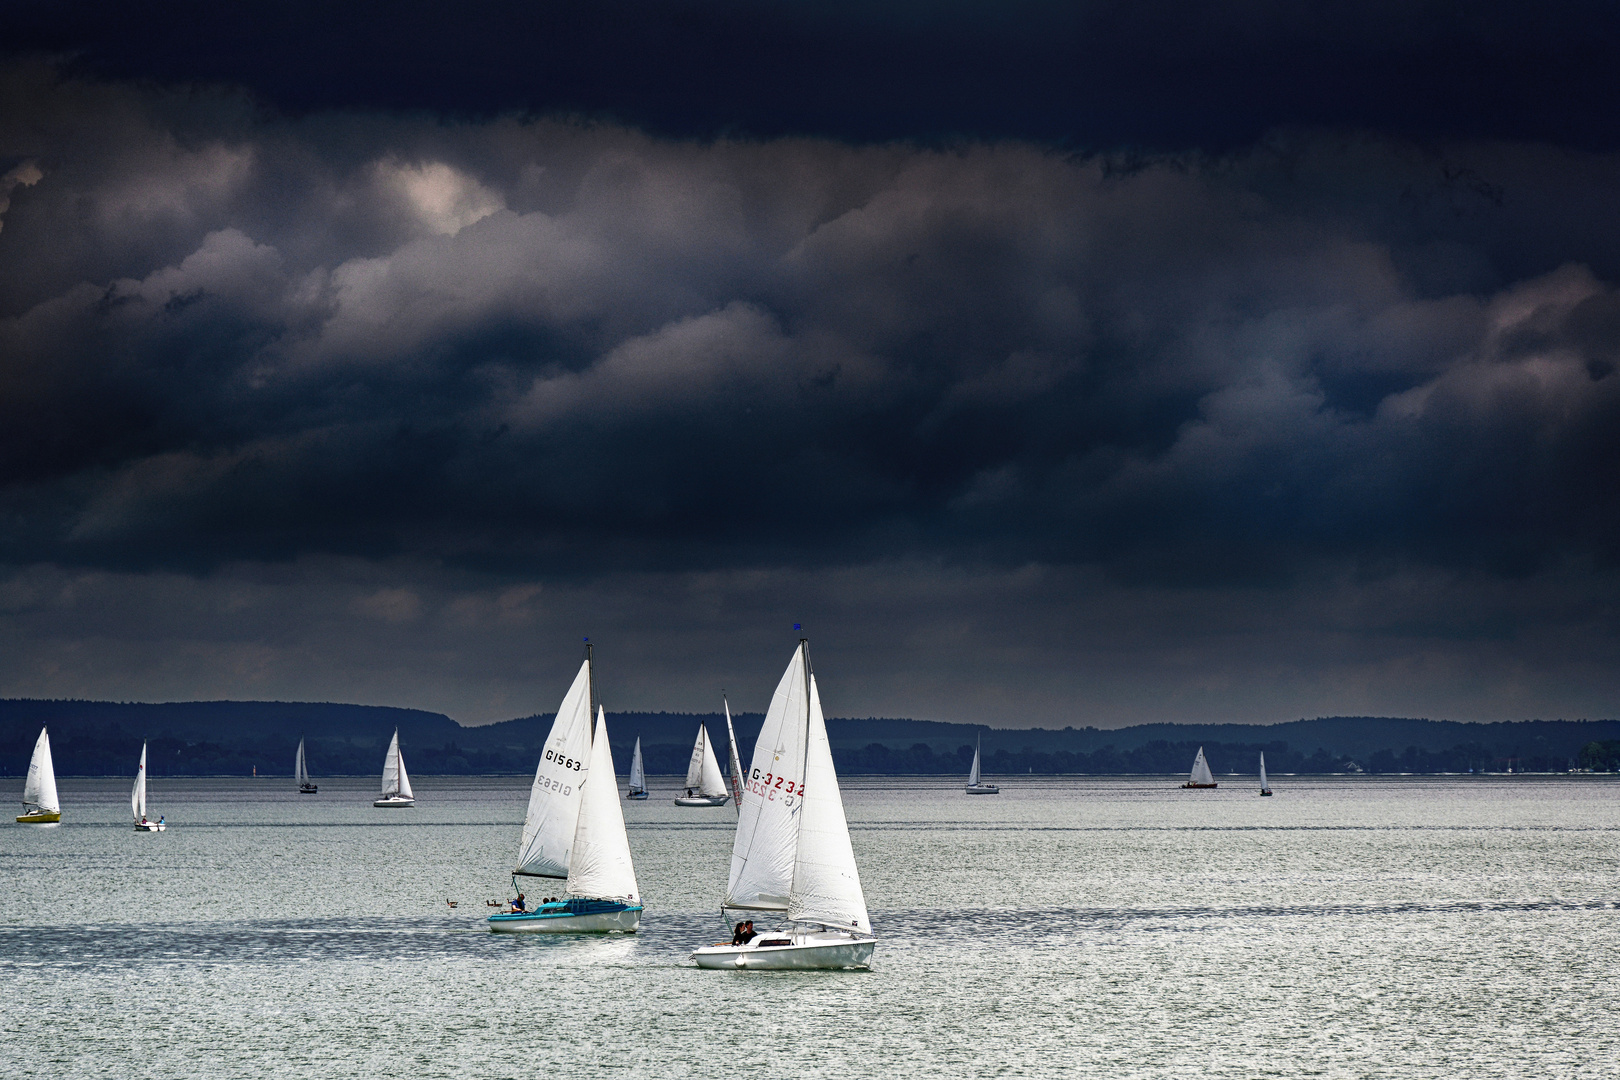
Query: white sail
[(973, 773), (735, 763), (1264, 786), (39, 790), (826, 884), (694, 767), (553, 817), (300, 770), (137, 797), (1200, 769), (768, 819), (703, 771), (599, 866), (404, 778), (638, 775), (394, 780)]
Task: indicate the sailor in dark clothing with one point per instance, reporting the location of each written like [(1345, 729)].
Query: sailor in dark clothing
[(517, 905)]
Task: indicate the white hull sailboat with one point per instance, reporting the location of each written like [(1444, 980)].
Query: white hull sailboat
[(137, 801), (396, 782), (1265, 785), (638, 775), (974, 785), (574, 829), (704, 784), (301, 772), (40, 803), (1201, 776), (792, 854)]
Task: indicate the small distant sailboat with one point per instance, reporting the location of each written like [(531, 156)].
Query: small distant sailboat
[(1265, 785), (396, 782), (638, 774), (1201, 776), (40, 803), (736, 763), (301, 770), (704, 784), (792, 852), (137, 800), (574, 828), (974, 787)]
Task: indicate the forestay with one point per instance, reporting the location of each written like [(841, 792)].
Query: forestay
[(39, 790), (553, 817), (599, 866), (826, 884), (767, 821)]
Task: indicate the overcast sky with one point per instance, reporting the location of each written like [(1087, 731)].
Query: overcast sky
[(1052, 364)]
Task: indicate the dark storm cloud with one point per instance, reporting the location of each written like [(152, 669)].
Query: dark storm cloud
[(1154, 73), (515, 344), (342, 404)]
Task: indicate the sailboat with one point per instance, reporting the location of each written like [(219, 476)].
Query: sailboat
[(1265, 786), (574, 829), (396, 782), (792, 853), (974, 787), (301, 771), (137, 800), (1201, 776), (638, 774), (704, 784), (736, 764), (40, 804)]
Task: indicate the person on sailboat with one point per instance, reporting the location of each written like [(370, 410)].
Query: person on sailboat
[(517, 905)]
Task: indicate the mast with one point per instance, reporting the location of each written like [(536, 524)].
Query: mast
[(590, 702)]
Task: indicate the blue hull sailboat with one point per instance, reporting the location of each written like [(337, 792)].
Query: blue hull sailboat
[(574, 829)]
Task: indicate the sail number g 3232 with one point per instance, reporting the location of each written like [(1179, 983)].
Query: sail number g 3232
[(769, 786)]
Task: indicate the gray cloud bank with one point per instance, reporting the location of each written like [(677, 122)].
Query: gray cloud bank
[(373, 407)]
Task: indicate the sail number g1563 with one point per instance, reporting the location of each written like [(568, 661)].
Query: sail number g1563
[(565, 762)]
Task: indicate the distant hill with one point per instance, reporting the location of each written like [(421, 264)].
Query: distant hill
[(100, 738)]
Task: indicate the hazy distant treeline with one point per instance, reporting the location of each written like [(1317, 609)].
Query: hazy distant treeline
[(226, 738), (111, 752)]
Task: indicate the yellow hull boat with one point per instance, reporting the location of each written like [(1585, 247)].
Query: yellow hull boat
[(39, 819)]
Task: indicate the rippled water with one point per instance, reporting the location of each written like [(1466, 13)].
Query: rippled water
[(1106, 927)]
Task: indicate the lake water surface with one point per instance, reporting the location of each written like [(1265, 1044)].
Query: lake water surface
[(1108, 927)]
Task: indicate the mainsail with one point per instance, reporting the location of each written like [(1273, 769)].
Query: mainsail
[(1264, 786), (703, 772), (137, 797), (736, 764), (395, 780), (553, 817), (599, 866), (39, 790), (826, 884), (973, 774), (638, 775), (767, 821), (300, 770), (1200, 770)]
